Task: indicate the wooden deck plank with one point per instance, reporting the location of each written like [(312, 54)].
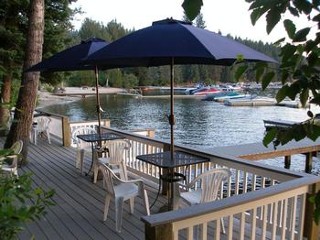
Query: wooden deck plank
[(88, 202), (79, 205), (63, 209)]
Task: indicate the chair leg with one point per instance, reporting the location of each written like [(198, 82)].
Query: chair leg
[(119, 210), (131, 204), (48, 136), (35, 137), (146, 201), (106, 207), (95, 172)]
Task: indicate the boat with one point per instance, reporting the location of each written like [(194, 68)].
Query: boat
[(222, 95), (206, 91), (131, 92), (213, 96), (231, 95), (251, 101), (292, 103)]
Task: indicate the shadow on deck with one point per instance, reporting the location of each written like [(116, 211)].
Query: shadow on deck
[(79, 205)]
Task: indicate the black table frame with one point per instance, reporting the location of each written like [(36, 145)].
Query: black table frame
[(163, 160), (95, 137)]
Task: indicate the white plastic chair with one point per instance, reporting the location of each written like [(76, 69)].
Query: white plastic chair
[(112, 154), (207, 190), (12, 169), (41, 126), (82, 146), (121, 191)]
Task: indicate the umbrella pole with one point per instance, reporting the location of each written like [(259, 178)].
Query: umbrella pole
[(171, 118), (96, 71), (172, 122)]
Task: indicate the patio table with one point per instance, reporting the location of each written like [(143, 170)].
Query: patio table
[(94, 138), (163, 160)]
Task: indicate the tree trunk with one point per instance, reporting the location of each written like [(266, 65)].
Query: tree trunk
[(5, 101), (21, 126)]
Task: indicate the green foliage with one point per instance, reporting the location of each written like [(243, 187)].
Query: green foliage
[(91, 28), (47, 87), (192, 8), (130, 81), (115, 78), (299, 52), (316, 200), (13, 32), (20, 204), (5, 152)]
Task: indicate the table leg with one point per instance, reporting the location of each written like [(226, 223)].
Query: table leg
[(92, 159)]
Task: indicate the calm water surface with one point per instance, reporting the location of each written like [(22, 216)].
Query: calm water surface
[(199, 123)]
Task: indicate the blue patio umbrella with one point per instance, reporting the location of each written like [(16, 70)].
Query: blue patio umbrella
[(71, 59), (170, 42)]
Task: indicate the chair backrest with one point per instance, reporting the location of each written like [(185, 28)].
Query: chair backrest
[(42, 123), (77, 142), (211, 183), (108, 177), (17, 147), (116, 150)]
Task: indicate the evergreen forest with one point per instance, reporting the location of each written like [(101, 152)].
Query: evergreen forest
[(60, 34)]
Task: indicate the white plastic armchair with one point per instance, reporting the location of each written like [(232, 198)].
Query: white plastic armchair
[(112, 153), (121, 191), (41, 126), (82, 146), (208, 189), (12, 168)]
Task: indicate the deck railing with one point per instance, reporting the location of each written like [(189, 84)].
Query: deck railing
[(270, 202), (257, 201)]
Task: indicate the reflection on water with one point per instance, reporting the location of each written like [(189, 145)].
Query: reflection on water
[(198, 123)]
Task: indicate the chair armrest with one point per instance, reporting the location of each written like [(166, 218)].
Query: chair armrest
[(138, 181), (192, 183)]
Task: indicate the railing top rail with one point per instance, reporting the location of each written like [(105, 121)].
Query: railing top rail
[(227, 203), (138, 137), (39, 110), (280, 174)]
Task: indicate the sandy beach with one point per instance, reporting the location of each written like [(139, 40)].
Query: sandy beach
[(71, 94)]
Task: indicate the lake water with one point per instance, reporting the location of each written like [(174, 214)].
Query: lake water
[(199, 123)]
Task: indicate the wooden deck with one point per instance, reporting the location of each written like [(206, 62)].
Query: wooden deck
[(79, 205), (78, 211), (257, 151)]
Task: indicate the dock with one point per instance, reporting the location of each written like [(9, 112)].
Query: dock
[(257, 151), (251, 102), (268, 124)]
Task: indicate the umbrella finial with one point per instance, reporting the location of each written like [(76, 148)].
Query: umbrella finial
[(171, 21)]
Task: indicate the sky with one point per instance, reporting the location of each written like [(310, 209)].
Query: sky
[(228, 16)]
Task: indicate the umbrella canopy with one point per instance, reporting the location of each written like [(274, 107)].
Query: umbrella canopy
[(169, 42), (166, 39), (71, 59)]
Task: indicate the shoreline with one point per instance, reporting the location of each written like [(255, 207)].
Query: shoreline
[(46, 99)]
